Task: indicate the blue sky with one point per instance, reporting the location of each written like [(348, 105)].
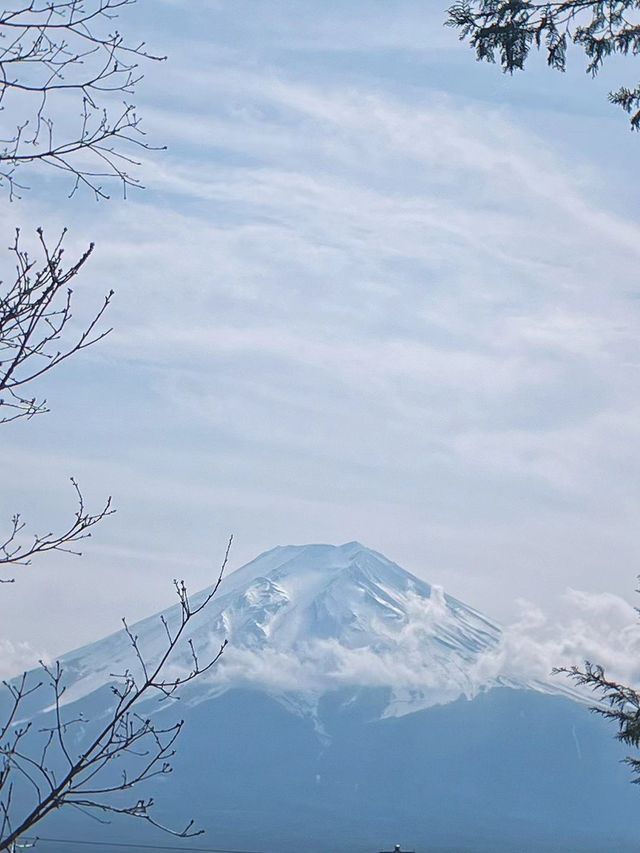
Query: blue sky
[(372, 291)]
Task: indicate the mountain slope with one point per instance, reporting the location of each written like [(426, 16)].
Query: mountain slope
[(356, 706), (510, 771), (306, 619)]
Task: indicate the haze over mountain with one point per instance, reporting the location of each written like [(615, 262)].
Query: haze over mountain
[(357, 705)]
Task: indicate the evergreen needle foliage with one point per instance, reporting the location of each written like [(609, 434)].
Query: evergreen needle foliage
[(617, 702), (507, 30)]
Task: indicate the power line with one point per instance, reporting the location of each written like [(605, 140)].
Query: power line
[(139, 846)]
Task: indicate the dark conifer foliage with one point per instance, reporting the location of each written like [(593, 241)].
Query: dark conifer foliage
[(617, 702), (505, 31)]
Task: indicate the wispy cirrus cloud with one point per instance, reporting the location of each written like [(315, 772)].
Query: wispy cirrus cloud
[(350, 307)]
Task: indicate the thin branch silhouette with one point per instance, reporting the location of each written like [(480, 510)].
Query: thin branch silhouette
[(51, 768), (61, 59)]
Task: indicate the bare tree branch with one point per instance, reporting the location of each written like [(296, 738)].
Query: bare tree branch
[(35, 315), (36, 337), (60, 58), (64, 71), (14, 551), (56, 774)]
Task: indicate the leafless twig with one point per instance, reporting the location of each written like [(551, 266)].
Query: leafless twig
[(64, 58), (35, 313), (51, 771), (17, 550), (35, 338)]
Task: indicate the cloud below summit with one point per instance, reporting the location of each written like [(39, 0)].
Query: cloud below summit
[(601, 628)]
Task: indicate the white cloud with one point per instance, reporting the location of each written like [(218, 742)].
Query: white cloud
[(346, 309), (599, 627), (18, 657)]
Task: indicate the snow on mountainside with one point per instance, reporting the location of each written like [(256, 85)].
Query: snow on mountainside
[(303, 620), (335, 721)]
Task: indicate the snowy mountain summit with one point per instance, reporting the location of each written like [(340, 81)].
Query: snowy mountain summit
[(354, 701), (301, 621), (350, 594)]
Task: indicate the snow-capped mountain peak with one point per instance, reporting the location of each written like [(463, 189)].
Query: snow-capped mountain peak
[(325, 642), (307, 619), (304, 620), (294, 595)]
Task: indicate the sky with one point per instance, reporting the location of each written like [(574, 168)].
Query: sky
[(372, 290)]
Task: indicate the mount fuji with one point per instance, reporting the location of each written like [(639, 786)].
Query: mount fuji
[(356, 705), (302, 620)]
